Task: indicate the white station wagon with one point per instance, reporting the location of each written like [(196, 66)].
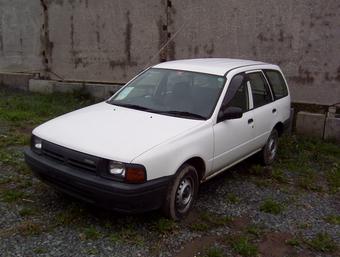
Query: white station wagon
[(172, 127)]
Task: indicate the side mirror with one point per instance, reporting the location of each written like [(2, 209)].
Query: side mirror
[(229, 113)]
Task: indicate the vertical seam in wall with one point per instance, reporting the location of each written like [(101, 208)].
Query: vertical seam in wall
[(46, 44)]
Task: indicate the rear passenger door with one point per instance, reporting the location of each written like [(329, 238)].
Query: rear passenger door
[(264, 109)]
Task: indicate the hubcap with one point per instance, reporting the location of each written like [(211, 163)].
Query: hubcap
[(184, 195), (272, 147)]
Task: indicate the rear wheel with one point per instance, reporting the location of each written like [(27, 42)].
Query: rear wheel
[(269, 151), (182, 193)]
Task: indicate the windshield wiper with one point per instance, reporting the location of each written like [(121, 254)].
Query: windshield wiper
[(184, 114), (133, 106)]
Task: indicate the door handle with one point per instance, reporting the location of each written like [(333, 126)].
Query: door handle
[(274, 110), (250, 121)]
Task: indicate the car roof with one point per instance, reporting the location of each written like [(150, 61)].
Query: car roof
[(216, 66)]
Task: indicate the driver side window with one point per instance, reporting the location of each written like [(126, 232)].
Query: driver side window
[(239, 98)]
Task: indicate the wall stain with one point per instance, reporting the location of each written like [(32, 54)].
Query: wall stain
[(304, 77), (162, 35), (328, 77), (209, 49), (1, 38), (72, 31), (128, 31), (46, 44)]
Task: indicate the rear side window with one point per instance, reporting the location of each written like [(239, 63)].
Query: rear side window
[(260, 91), (277, 83)]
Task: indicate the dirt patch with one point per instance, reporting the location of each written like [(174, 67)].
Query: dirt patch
[(274, 245), (197, 246), (240, 223)]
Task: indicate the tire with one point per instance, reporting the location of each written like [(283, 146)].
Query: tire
[(269, 151), (181, 193)]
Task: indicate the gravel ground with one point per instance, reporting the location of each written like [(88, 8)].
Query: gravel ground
[(70, 228)]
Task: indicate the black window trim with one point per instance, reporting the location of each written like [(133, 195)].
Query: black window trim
[(285, 83), (248, 93)]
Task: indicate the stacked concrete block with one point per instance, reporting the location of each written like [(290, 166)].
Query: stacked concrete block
[(310, 124)]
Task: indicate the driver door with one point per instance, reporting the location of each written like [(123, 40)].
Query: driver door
[(234, 137)]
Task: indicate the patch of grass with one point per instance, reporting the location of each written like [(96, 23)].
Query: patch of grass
[(12, 195), (333, 219), (322, 242), (23, 109), (164, 225), (210, 220), (213, 252), (271, 206), (293, 242), (279, 175), (91, 233), (232, 198), (27, 211), (308, 181), (262, 183), (244, 247), (92, 251), (40, 250), (333, 178), (255, 230), (72, 215), (127, 234), (200, 226)]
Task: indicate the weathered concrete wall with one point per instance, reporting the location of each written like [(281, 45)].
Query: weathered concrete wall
[(103, 40), (21, 24), (303, 37), (111, 40)]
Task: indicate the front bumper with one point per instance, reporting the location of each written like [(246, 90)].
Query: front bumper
[(91, 188)]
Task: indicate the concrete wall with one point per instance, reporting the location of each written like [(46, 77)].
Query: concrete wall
[(20, 35), (303, 37), (111, 40)]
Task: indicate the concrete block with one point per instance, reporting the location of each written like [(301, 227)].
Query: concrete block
[(41, 86), (311, 124), (15, 80), (332, 128), (95, 90), (67, 87)]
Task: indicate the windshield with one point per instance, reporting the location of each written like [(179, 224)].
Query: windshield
[(172, 92)]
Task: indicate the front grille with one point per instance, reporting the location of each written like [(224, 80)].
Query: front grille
[(70, 157)]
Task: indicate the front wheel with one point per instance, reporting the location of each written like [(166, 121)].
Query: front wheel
[(269, 151), (182, 193)]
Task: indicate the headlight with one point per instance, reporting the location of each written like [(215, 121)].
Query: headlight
[(36, 144), (117, 169), (131, 173)]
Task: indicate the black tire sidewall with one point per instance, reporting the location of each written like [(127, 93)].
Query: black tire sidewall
[(266, 159), (170, 204)]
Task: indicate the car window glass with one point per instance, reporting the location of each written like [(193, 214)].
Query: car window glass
[(259, 88), (241, 98), (277, 83)]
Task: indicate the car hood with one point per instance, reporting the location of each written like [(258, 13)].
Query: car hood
[(113, 132)]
